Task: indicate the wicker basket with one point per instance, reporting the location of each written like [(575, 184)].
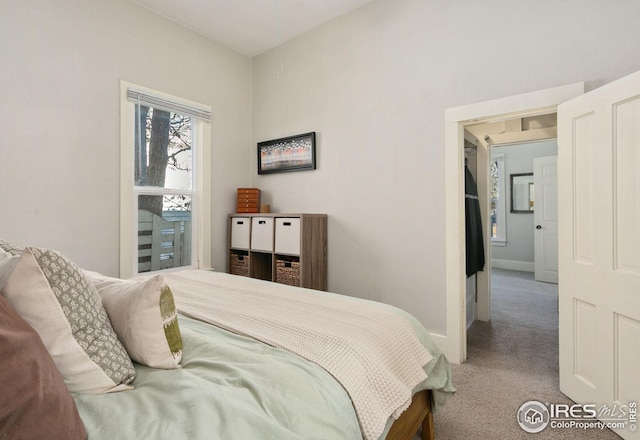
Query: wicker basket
[(288, 271), (239, 263)]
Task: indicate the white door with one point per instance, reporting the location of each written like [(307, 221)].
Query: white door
[(545, 218), (599, 248)]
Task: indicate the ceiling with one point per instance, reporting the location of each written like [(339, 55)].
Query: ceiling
[(251, 26), (513, 131)]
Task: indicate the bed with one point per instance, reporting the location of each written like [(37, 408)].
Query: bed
[(230, 383)]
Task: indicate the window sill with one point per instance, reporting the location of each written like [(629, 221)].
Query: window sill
[(498, 242)]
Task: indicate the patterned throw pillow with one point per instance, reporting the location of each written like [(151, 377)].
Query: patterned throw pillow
[(144, 316), (55, 297)]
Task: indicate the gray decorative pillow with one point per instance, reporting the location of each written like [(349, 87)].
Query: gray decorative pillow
[(55, 297)]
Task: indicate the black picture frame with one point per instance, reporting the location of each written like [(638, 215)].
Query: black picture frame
[(522, 193), (292, 153)]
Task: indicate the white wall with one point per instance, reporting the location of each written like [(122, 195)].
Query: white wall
[(61, 66), (520, 226), (374, 85)]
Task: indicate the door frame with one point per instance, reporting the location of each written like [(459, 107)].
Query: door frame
[(528, 104)]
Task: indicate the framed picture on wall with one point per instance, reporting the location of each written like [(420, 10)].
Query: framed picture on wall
[(293, 153)]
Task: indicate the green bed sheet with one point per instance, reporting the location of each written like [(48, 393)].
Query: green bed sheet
[(233, 387)]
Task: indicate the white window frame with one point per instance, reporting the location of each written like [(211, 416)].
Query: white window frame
[(201, 191), (501, 220)]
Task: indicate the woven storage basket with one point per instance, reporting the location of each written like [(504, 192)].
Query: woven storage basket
[(288, 272), (239, 264)]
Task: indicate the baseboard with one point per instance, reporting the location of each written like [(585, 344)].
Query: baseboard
[(524, 266)]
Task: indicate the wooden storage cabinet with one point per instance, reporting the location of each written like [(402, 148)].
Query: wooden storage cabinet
[(285, 248)]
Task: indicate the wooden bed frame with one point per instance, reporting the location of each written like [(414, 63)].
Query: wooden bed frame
[(418, 413)]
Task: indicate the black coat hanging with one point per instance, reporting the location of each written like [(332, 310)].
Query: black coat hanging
[(473, 222)]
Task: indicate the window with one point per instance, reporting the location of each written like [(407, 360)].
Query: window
[(165, 183), (498, 205)]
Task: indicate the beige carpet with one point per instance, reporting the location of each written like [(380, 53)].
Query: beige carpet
[(511, 359)]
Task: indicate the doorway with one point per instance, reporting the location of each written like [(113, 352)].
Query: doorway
[(526, 105), (521, 192)]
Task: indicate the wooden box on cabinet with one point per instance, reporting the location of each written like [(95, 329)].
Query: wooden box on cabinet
[(286, 248), (248, 200)]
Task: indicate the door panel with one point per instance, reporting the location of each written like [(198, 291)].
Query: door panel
[(626, 195), (585, 350), (599, 257), (627, 374), (584, 168), (545, 217)]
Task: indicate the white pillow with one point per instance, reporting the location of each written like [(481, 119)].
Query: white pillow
[(55, 297), (144, 316)]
